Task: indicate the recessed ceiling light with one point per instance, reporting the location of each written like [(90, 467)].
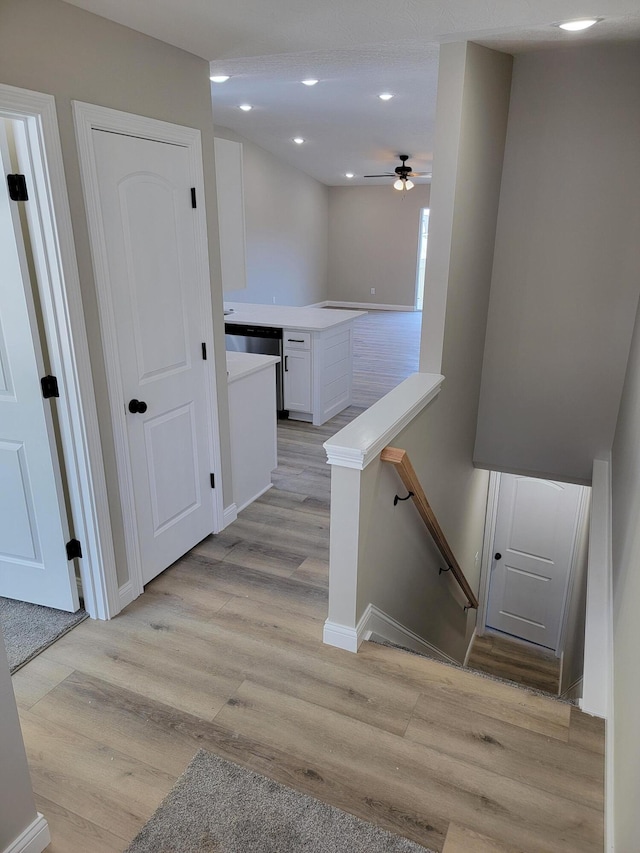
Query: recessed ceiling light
[(298, 140), (310, 82), (219, 78), (349, 175), (246, 107), (577, 26), (385, 96)]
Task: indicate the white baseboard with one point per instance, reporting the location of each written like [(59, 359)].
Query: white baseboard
[(127, 594), (376, 623), (573, 691), (34, 839), (251, 500), (340, 636), (363, 306), (229, 515), (475, 634)]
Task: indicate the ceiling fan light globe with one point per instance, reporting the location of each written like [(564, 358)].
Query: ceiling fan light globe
[(409, 185), (399, 184)]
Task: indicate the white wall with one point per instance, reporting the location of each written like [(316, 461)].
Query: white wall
[(73, 54), (17, 807), (471, 120), (566, 272), (373, 242), (286, 217), (626, 601)]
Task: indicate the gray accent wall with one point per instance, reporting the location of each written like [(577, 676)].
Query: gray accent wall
[(53, 47), (625, 478), (566, 273), (286, 223), (373, 242)]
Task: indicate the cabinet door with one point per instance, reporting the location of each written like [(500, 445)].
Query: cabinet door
[(297, 380)]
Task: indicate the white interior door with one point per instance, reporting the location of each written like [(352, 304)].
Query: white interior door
[(149, 236), (535, 535), (33, 524)]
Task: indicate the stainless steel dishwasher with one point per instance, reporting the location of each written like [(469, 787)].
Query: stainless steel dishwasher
[(264, 340)]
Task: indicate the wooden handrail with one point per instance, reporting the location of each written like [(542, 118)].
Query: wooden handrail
[(400, 460)]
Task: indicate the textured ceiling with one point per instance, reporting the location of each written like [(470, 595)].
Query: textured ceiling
[(357, 49)]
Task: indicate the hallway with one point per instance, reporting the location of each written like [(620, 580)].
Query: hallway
[(224, 652)]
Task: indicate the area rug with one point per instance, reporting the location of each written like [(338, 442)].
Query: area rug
[(29, 628), (219, 807)]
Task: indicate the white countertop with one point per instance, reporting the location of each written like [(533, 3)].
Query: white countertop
[(241, 364), (288, 316)]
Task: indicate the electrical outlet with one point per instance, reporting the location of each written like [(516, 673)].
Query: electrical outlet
[(373, 291)]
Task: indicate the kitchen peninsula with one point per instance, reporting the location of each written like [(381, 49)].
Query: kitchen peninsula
[(316, 350)]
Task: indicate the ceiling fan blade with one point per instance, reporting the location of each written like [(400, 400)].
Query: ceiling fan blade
[(384, 175), (419, 174)]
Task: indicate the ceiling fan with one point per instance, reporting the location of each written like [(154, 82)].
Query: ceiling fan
[(403, 173)]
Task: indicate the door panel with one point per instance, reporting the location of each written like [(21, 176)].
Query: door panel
[(535, 537), (149, 233), (172, 464), (18, 530), (161, 332), (33, 524)]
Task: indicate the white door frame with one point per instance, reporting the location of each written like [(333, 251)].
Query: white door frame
[(59, 290), (89, 117), (488, 550)]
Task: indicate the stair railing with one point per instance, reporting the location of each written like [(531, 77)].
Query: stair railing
[(400, 460)]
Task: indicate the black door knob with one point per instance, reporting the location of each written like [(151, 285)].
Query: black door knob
[(497, 556), (137, 407)]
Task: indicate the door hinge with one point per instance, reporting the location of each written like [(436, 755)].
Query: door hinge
[(74, 549), (49, 387), (204, 351), (17, 188), (193, 197), (213, 481)]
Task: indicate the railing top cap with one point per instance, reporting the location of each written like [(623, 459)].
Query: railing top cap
[(361, 441)]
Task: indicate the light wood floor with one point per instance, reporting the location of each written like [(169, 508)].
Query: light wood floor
[(516, 661), (224, 651)]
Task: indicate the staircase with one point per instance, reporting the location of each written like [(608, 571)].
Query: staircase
[(515, 661)]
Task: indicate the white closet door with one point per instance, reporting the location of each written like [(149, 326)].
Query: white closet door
[(33, 524), (149, 236)]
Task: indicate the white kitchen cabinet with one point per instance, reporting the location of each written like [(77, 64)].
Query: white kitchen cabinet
[(297, 380), (297, 371), (318, 355)]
